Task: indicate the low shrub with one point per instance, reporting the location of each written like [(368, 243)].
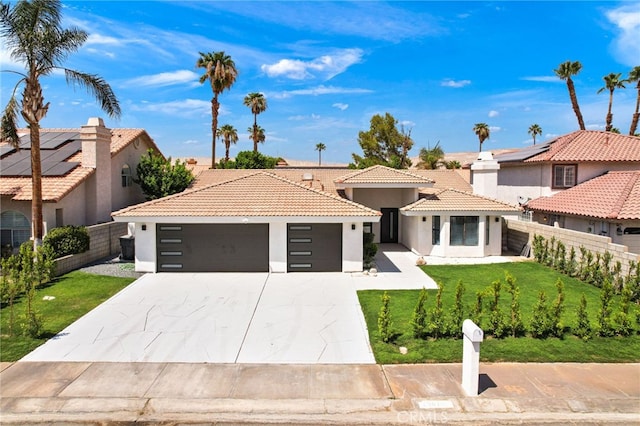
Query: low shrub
[(67, 240)]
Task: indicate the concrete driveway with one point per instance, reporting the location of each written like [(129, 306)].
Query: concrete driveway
[(304, 318)]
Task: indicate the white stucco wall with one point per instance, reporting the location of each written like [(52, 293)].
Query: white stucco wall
[(278, 247), (352, 247), (378, 198), (145, 247)]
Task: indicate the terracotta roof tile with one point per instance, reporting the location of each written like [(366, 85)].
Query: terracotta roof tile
[(591, 145), (444, 179), (256, 194), (454, 200), (383, 175), (615, 195)]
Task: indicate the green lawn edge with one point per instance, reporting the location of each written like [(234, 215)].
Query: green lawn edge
[(531, 277), (75, 294)]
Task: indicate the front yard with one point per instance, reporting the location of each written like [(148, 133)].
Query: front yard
[(59, 303), (531, 278)]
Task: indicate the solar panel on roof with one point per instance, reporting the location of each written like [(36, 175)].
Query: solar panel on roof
[(19, 163), (52, 140), (6, 149), (16, 164), (60, 169), (524, 153)]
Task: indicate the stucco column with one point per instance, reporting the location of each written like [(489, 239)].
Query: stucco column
[(96, 154)]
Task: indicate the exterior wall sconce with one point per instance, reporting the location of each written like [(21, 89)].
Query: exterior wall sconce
[(353, 226), (619, 230), (144, 227), (424, 219)]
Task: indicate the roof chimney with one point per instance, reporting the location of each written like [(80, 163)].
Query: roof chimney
[(96, 154), (485, 175)]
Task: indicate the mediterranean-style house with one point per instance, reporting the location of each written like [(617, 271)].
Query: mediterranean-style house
[(86, 174), (291, 220)]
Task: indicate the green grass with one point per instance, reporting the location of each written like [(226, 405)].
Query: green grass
[(75, 294), (530, 278)]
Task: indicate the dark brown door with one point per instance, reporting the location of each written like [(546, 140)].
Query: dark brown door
[(314, 247), (389, 226), (212, 247)]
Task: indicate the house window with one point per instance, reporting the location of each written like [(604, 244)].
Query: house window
[(59, 217), (564, 175), (464, 231), (435, 230), (126, 176), (487, 230), (15, 229)]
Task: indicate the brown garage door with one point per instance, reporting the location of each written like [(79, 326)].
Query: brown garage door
[(314, 247), (212, 247)]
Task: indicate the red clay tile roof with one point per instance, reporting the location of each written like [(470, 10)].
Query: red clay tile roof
[(591, 145), (258, 194), (54, 188), (383, 175), (453, 200), (615, 195)]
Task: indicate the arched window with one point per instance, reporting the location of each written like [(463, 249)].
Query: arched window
[(15, 229), (126, 176)]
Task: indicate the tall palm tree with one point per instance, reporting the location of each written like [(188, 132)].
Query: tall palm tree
[(221, 72), (258, 103), (612, 82), (482, 131), (32, 32), (534, 130), (634, 76), (320, 147), (256, 134), (564, 72), (229, 135)]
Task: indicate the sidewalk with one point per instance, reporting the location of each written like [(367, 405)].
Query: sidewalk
[(170, 393)]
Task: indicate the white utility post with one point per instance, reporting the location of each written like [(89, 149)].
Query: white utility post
[(471, 357)]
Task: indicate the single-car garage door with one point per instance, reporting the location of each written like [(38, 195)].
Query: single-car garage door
[(212, 247), (314, 247)]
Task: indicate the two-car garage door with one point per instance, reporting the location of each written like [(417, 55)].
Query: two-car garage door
[(245, 247)]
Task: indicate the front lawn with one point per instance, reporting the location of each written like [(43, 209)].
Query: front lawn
[(530, 278), (74, 295)]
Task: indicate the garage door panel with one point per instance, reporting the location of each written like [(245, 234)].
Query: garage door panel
[(314, 247), (213, 247)]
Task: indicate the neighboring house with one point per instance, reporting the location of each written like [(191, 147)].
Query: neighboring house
[(286, 220), (605, 205), (86, 174), (545, 169)]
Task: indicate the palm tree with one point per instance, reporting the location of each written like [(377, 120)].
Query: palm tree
[(320, 147), (256, 134), (565, 71), (258, 103), (431, 158), (634, 76), (535, 130), (229, 135), (611, 82), (32, 32), (221, 72), (482, 131)]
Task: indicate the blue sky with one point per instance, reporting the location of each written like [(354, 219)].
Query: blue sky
[(327, 67)]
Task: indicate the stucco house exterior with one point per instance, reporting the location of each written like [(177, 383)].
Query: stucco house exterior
[(87, 174), (549, 168), (295, 220)]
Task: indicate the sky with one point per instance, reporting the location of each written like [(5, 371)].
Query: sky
[(326, 68)]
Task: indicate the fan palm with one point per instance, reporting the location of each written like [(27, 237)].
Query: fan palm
[(320, 147), (564, 72), (258, 103), (431, 158), (535, 130), (634, 76), (229, 135), (221, 72), (256, 134), (32, 32), (612, 82), (482, 131)]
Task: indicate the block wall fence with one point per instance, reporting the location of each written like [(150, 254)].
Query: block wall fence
[(104, 241), (520, 233)]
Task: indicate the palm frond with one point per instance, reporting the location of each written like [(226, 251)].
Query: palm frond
[(10, 124), (98, 87)]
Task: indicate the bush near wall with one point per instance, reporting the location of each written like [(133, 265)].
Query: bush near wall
[(66, 240)]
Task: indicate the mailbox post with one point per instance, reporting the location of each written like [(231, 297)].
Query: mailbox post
[(471, 357)]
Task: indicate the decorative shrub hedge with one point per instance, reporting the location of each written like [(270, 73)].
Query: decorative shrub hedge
[(67, 240)]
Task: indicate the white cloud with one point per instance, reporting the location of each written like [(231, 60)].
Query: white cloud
[(626, 45), (164, 79), (340, 106), (493, 113), (183, 107), (494, 129), (320, 90), (191, 142), (103, 40), (407, 123), (455, 83), (325, 67), (543, 78)]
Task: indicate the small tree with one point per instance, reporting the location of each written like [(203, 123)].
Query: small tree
[(369, 249), (436, 316), (572, 264), (497, 322), (158, 177), (605, 328), (540, 321), (583, 326), (457, 314), (622, 320), (557, 328), (516, 326), (12, 286), (383, 144), (419, 318), (476, 314), (384, 319)]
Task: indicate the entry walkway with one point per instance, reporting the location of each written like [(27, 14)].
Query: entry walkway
[(152, 393)]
